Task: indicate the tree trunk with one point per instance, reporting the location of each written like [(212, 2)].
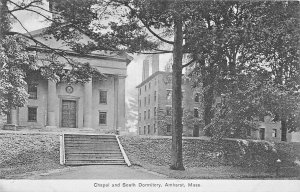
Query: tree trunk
[(283, 129), (176, 153), (209, 78), (4, 20)]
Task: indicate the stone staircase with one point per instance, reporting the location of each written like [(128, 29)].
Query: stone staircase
[(85, 149)]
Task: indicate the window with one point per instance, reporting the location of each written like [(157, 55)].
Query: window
[(154, 128), (168, 110), (155, 81), (168, 127), (169, 94), (32, 91), (140, 91), (148, 113), (274, 133), (145, 88), (154, 96), (149, 85), (145, 115), (148, 129), (145, 101), (103, 97), (197, 96), (154, 111), (140, 130), (149, 99), (144, 129), (102, 118), (196, 112), (32, 114)]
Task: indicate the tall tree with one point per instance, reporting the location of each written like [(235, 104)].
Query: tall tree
[(142, 27)]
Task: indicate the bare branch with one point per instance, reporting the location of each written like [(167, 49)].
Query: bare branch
[(187, 64), (24, 7)]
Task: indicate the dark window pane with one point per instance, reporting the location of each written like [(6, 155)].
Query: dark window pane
[(168, 127), (32, 91), (102, 117), (32, 114), (103, 97)]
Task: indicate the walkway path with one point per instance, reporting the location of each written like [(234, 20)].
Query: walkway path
[(100, 172)]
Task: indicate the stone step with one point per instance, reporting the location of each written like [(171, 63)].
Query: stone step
[(91, 141), (93, 157), (74, 150), (94, 163), (95, 153), (92, 147), (90, 136), (92, 150)]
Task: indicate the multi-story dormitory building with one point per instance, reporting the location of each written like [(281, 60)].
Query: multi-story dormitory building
[(155, 102)]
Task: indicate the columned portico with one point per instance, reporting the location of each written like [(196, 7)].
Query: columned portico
[(87, 108), (51, 104)]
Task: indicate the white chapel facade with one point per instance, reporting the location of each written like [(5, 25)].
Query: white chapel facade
[(98, 104)]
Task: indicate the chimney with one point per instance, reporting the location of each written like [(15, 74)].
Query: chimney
[(145, 69), (155, 63)]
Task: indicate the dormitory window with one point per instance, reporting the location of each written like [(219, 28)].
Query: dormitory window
[(103, 97), (154, 128), (197, 95), (169, 94), (32, 114), (274, 133), (102, 118), (168, 110), (148, 129), (154, 111), (145, 114), (168, 127), (154, 96), (32, 91), (148, 113), (145, 101), (196, 112)]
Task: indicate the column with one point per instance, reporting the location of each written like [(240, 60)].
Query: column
[(51, 104), (116, 90), (121, 103), (13, 116), (88, 101)]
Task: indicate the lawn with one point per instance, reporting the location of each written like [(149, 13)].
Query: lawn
[(23, 153), (205, 159)]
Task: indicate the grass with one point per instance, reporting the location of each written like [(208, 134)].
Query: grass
[(201, 160), (23, 153)]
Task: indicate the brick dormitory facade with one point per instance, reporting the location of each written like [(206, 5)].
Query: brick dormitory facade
[(155, 107), (155, 103)]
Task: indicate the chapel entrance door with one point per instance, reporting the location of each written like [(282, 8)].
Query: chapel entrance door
[(68, 113)]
